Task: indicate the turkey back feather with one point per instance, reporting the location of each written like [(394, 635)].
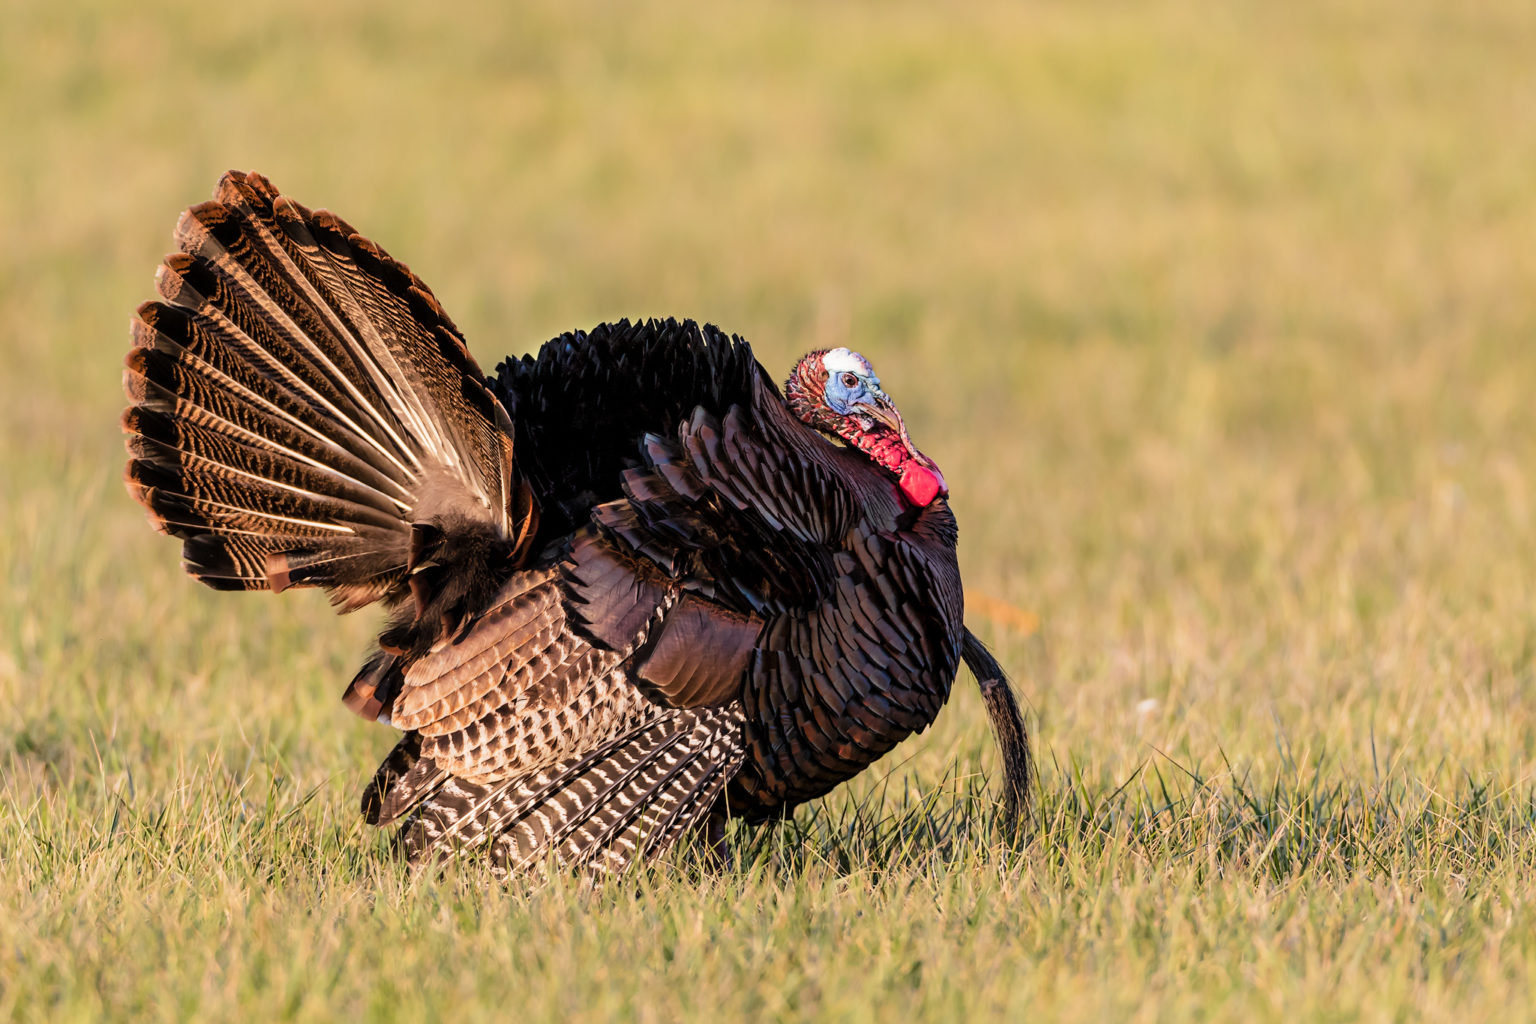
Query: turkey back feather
[(583, 403)]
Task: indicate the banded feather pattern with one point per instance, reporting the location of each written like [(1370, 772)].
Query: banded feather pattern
[(299, 400), (631, 797), (632, 587)]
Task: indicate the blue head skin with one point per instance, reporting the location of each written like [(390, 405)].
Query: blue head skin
[(852, 389)]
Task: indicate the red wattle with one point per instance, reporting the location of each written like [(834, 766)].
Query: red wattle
[(920, 484)]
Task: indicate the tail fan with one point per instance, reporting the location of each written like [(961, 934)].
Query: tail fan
[(629, 800), (299, 400)]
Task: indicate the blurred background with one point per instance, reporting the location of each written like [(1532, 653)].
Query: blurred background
[(1218, 317)]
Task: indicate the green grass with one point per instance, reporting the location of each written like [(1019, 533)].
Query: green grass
[(1220, 319)]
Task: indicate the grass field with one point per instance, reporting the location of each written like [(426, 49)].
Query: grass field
[(1220, 319)]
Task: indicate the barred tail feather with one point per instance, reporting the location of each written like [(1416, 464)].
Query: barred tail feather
[(299, 400)]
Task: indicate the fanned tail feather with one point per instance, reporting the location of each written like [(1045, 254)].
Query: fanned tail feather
[(299, 400)]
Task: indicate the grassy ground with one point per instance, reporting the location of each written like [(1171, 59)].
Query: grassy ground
[(1219, 318)]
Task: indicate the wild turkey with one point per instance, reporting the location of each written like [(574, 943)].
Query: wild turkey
[(634, 586)]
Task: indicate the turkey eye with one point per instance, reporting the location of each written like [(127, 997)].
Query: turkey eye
[(850, 380)]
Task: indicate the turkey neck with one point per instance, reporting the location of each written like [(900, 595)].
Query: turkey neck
[(918, 479), (886, 447)]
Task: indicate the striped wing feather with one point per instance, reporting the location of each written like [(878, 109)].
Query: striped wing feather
[(526, 737)]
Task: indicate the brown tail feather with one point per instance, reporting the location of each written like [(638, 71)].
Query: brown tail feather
[(300, 401)]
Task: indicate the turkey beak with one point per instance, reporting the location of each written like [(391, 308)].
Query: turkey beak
[(882, 410)]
